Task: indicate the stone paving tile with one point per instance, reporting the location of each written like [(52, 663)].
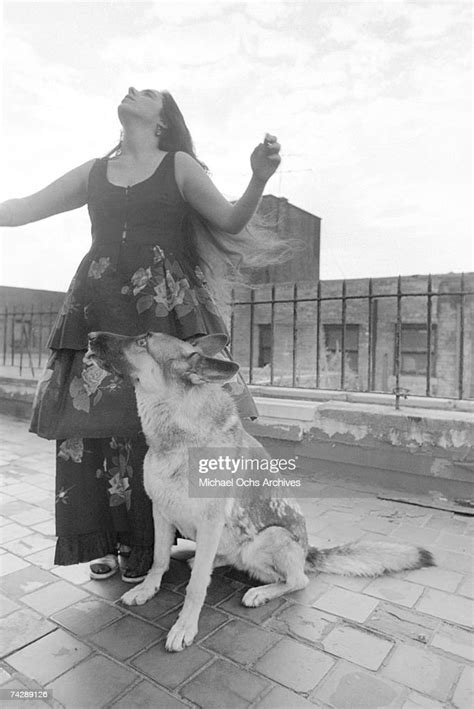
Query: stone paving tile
[(61, 650), (20, 628), (158, 606), (418, 701), (146, 695), (281, 698), (219, 589), (423, 670), (442, 579), (456, 641), (224, 685), (75, 573), (25, 581), (302, 622), (112, 589), (48, 528), (297, 666), (4, 676), (87, 616), (241, 642), (93, 683), (12, 531), (350, 687), (395, 590), (460, 543), (170, 669), (461, 563), (454, 609), (44, 558), (177, 574), (402, 623), (316, 587), (209, 619), (339, 601), (126, 637), (7, 606), (54, 597), (255, 615), (416, 535), (357, 646), (467, 587), (35, 515), (463, 696), (352, 583), (10, 563), (446, 522), (29, 544)]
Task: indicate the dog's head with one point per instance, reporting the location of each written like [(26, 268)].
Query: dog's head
[(159, 362)]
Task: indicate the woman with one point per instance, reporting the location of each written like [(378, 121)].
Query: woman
[(159, 228)]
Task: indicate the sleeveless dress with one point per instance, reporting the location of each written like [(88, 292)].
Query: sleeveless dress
[(141, 274)]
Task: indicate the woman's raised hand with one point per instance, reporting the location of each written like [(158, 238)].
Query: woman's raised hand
[(266, 158)]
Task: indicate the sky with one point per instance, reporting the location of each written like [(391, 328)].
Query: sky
[(371, 102)]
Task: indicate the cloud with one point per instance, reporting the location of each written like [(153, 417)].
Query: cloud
[(371, 102)]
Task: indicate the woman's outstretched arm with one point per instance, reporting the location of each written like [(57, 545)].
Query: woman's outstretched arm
[(67, 192), (201, 193)]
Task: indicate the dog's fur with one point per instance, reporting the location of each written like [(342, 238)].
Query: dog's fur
[(181, 403)]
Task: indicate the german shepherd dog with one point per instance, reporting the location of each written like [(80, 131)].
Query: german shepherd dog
[(182, 404)]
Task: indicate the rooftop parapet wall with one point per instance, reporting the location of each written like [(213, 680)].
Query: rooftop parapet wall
[(418, 450)]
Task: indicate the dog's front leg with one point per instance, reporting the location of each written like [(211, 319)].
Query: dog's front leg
[(184, 630), (164, 538)]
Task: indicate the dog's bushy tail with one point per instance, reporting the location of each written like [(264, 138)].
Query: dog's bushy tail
[(367, 558)]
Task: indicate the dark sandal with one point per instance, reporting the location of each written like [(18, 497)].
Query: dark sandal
[(138, 564)]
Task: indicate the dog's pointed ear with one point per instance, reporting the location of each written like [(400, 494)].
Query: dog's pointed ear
[(209, 345), (207, 369)]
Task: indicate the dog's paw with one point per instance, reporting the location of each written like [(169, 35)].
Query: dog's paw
[(255, 597), (180, 636), (139, 595)]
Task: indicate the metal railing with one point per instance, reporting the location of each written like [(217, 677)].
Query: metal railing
[(24, 336), (448, 366), (370, 333)]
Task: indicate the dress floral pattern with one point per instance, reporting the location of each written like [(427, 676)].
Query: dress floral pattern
[(141, 274)]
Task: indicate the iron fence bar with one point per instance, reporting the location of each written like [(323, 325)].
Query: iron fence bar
[(318, 332), (5, 335), (232, 314), (343, 334), (375, 324), (461, 339), (272, 337), (12, 360), (369, 337), (295, 334), (252, 315), (398, 343), (40, 339), (428, 336)]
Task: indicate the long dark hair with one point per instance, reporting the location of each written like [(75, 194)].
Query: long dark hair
[(220, 255)]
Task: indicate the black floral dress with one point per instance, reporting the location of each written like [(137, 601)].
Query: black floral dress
[(140, 275)]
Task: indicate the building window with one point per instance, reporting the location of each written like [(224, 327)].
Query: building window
[(264, 344), (333, 339), (414, 349)]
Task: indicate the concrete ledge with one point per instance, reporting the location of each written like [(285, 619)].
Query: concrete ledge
[(359, 397), (421, 450)]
